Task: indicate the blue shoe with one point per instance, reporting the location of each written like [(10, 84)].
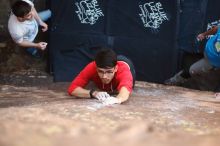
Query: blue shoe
[(34, 52)]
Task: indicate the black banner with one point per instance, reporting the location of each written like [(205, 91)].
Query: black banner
[(144, 30)]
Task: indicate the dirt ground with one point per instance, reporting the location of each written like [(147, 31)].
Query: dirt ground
[(36, 111)]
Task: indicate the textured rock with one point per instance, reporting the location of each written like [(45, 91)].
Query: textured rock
[(154, 115)]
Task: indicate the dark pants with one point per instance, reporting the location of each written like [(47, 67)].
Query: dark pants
[(131, 65), (187, 60)]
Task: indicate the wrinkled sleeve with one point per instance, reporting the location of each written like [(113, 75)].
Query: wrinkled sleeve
[(125, 79), (17, 37), (82, 79)]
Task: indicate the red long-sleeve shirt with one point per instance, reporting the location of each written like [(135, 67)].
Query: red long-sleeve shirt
[(122, 78)]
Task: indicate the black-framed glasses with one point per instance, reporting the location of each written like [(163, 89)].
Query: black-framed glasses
[(106, 71)]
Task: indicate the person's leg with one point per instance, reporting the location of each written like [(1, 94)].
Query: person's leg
[(131, 65), (45, 15), (34, 52), (177, 79), (183, 75), (199, 67), (188, 60)]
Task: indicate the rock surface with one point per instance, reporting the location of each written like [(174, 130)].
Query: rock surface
[(44, 115), (34, 111)]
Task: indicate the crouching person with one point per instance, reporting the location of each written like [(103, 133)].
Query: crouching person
[(23, 26), (111, 75)]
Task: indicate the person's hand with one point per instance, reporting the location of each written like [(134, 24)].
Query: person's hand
[(111, 100), (44, 26), (217, 46), (101, 96), (200, 37), (42, 45)]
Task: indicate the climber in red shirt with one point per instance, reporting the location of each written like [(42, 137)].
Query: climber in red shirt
[(110, 73)]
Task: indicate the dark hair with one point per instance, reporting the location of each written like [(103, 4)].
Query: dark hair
[(21, 8), (106, 58)]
